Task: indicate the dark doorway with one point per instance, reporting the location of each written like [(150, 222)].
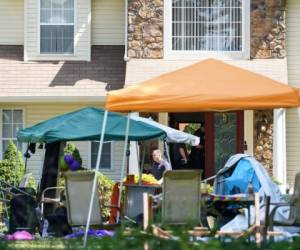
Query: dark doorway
[(224, 135)]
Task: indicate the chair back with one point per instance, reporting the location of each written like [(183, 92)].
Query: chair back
[(78, 188), (295, 209), (181, 197)]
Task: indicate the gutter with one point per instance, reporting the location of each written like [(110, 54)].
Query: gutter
[(52, 99), (126, 58)]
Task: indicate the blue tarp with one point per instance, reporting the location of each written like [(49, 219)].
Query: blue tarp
[(242, 175)]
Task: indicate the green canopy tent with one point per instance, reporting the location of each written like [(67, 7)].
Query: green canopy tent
[(91, 124), (85, 125)]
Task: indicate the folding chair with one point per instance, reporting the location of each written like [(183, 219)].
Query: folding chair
[(78, 189), (181, 197), (293, 203)]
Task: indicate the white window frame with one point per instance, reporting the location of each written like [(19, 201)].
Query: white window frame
[(1, 123), (111, 157), (194, 55), (39, 34)]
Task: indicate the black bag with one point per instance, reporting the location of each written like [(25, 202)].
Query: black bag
[(23, 214), (58, 223)]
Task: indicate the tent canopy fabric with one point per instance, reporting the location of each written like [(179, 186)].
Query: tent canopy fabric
[(209, 85), (173, 135), (85, 124)]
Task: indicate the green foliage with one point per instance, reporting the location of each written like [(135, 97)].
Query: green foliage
[(105, 191), (32, 182), (191, 128), (135, 239), (105, 186), (8, 171), (71, 149)]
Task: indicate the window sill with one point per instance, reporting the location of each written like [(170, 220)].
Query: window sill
[(199, 55)]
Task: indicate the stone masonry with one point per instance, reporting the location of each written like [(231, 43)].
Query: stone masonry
[(145, 29), (263, 138), (268, 29)]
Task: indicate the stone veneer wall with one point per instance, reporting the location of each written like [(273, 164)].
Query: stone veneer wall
[(263, 138), (268, 29), (145, 29)]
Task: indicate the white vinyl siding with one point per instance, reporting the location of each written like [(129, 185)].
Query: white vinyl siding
[(82, 33), (292, 119), (108, 22), (11, 22)]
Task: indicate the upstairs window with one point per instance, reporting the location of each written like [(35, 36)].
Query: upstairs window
[(208, 25), (56, 26)]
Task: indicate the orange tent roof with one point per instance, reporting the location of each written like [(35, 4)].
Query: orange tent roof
[(209, 85)]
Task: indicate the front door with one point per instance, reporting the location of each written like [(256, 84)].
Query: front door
[(224, 136)]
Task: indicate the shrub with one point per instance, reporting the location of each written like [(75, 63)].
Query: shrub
[(8, 171), (32, 182), (71, 149)]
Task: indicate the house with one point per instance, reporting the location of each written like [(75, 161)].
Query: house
[(57, 56), (170, 34), (60, 55)]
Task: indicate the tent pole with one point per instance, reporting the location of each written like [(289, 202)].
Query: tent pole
[(168, 154), (123, 163), (142, 166), (95, 178)]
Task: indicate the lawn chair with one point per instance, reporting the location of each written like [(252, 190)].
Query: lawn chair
[(293, 203), (78, 192), (181, 197), (78, 189)]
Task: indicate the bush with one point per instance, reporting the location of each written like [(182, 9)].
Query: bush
[(32, 183), (71, 149), (8, 171)]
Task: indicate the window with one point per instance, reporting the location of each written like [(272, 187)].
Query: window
[(106, 155), (12, 122), (57, 26), (207, 25)]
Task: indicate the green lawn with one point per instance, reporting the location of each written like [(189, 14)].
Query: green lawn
[(138, 241)]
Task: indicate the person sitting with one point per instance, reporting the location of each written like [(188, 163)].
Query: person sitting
[(159, 165)]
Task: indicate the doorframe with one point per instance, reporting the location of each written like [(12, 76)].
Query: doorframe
[(210, 137)]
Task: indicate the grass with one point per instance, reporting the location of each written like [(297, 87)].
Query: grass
[(137, 240)]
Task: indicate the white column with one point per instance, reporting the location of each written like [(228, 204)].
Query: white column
[(133, 158), (279, 147), (163, 119), (248, 131)]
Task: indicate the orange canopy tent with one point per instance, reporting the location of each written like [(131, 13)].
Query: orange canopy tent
[(209, 85)]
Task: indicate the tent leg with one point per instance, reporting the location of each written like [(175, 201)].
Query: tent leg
[(142, 166), (95, 178), (168, 153), (123, 162)]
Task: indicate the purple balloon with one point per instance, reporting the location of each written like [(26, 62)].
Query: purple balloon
[(69, 159), (74, 165)]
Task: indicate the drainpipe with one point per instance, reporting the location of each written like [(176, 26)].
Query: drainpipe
[(126, 59)]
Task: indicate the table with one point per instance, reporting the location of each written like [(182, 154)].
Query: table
[(134, 198), (223, 201)]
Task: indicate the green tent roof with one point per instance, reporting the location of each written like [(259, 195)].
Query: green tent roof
[(86, 124)]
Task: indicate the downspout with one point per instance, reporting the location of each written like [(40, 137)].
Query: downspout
[(126, 58)]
